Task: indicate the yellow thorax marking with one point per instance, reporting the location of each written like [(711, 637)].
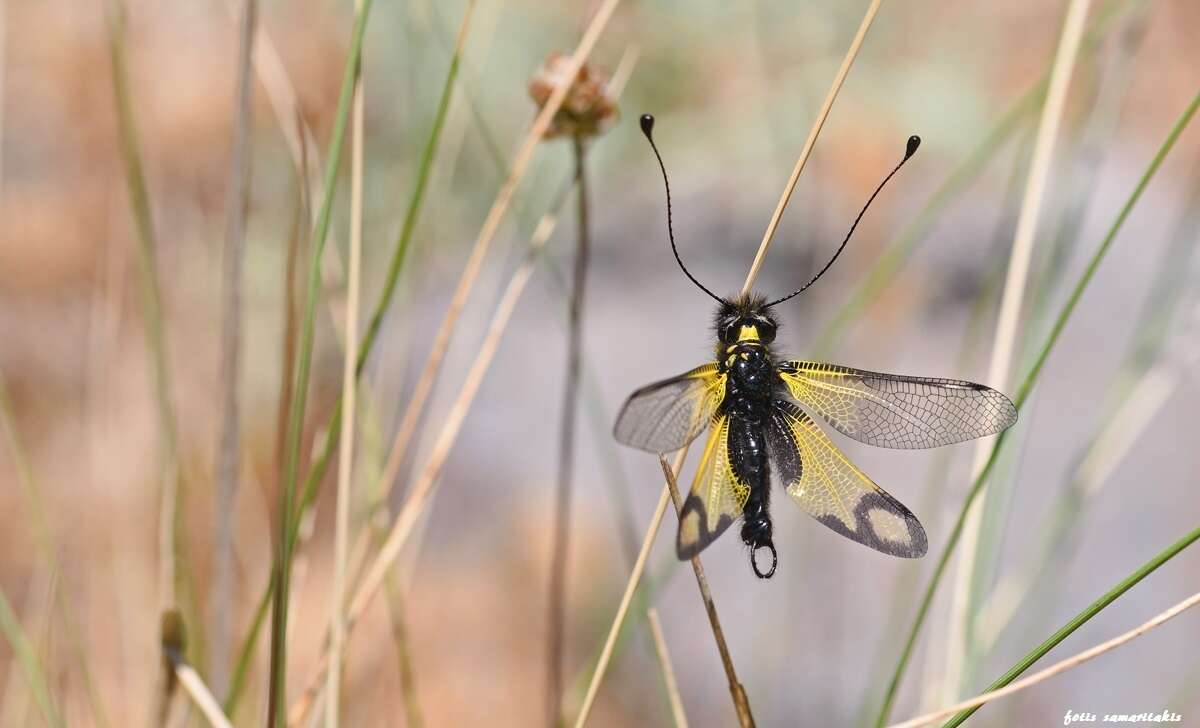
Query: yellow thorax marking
[(747, 334)]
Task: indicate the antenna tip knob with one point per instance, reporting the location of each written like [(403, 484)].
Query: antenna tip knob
[(647, 122), (914, 141)]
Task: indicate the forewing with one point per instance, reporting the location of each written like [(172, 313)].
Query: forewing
[(891, 410), (716, 498), (828, 486), (667, 415)]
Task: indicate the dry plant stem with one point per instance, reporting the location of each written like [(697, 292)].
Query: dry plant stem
[(441, 341), (427, 480), (560, 543), (811, 141), (1055, 669), (1009, 318), (193, 685), (664, 661), (231, 328), (398, 616), (337, 629), (623, 608), (751, 276), (151, 295), (740, 701)]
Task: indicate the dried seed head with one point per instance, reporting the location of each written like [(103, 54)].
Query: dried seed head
[(588, 110)]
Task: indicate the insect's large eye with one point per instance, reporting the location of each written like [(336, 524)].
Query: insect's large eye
[(731, 329), (766, 330)]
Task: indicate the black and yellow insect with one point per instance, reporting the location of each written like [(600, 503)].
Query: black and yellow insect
[(759, 409)]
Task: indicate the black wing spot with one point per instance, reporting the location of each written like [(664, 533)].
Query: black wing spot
[(864, 532)]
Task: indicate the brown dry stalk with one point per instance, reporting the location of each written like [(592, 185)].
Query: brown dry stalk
[(1054, 669), (756, 266), (427, 481), (341, 538), (810, 142), (441, 341), (664, 662), (740, 701)]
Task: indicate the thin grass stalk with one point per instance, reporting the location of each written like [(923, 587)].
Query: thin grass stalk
[(560, 542), (170, 540), (1083, 617), (231, 328), (905, 590), (1055, 669), (341, 540), (426, 482), (361, 547), (668, 672), (1009, 318), (383, 303), (751, 276), (298, 231), (397, 616), (631, 585), (1140, 388), (810, 142), (49, 548), (277, 701), (28, 662), (1023, 392), (1105, 92), (894, 257), (466, 281), (201, 696), (741, 703)]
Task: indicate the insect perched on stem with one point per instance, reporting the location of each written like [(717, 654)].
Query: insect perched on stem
[(758, 408)]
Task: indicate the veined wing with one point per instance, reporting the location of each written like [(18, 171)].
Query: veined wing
[(891, 410), (828, 486), (667, 415), (716, 499)]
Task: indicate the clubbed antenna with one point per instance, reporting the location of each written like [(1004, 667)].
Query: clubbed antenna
[(648, 129), (913, 142)]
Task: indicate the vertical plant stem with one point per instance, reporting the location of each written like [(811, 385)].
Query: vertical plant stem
[(151, 296), (277, 698), (560, 545), (811, 141), (1010, 314), (402, 637), (25, 657), (648, 541), (664, 660), (483, 242), (740, 702), (337, 627), (1023, 392), (227, 445)]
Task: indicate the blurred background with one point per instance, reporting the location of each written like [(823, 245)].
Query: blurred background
[(1100, 474)]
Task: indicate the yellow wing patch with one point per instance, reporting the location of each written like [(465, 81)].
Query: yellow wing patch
[(667, 415), (892, 410), (716, 498), (822, 481)]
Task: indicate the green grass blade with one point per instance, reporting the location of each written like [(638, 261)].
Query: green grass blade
[(1022, 394), (892, 259), (1078, 620), (23, 650), (277, 691)]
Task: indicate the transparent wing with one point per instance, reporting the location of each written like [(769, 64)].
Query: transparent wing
[(828, 486), (890, 410), (667, 415), (716, 499)]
